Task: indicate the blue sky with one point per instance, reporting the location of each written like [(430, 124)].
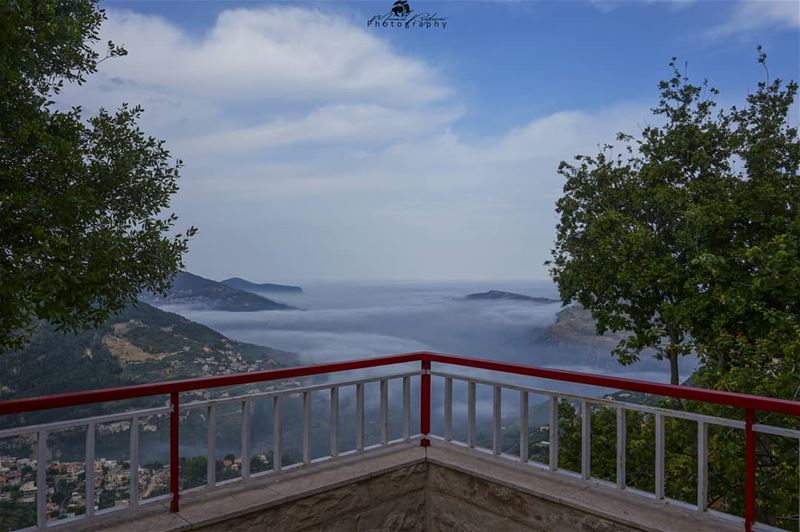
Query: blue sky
[(317, 148)]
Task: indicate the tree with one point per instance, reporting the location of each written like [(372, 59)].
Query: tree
[(651, 238), (82, 229), (745, 317), (723, 192)]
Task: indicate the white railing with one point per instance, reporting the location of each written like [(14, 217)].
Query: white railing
[(245, 403), (585, 403), (42, 431)]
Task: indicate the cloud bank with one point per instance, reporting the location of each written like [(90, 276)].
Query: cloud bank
[(314, 149)]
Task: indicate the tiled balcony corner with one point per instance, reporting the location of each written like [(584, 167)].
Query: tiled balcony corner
[(408, 487)]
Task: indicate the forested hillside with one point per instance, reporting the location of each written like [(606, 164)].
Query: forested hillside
[(142, 344)]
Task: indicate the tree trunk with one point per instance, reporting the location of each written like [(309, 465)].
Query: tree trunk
[(674, 376), (673, 351)]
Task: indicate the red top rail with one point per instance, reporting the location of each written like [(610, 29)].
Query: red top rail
[(733, 399)]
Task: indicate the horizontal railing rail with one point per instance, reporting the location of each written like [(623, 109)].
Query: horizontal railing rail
[(636, 407), (749, 403), (739, 400), (32, 404)]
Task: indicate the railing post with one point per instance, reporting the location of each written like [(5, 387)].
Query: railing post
[(174, 452), (41, 479), (622, 446), (553, 448), (702, 466), (384, 428), (306, 427), (134, 479), (750, 471), (660, 444), (277, 444), (471, 414), (360, 416), (406, 408), (497, 399), (448, 409), (211, 446), (88, 477), (425, 403), (586, 440), (523, 426), (334, 421), (246, 438)]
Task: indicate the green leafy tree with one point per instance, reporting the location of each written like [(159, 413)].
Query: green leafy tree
[(621, 243), (696, 231), (746, 313), (82, 201)]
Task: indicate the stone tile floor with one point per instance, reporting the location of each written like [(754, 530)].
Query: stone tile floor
[(408, 487)]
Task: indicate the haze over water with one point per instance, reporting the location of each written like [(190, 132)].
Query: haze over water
[(352, 320)]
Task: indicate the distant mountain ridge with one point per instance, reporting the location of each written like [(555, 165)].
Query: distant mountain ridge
[(140, 345), (200, 293), (249, 286), (499, 294)]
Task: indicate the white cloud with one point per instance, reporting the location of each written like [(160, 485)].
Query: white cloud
[(315, 150), (273, 54), (753, 15), (339, 123)]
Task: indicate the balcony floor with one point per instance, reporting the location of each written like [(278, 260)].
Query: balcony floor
[(408, 487)]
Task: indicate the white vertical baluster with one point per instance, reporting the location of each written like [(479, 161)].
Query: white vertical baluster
[(360, 417), (89, 468), (659, 456), (523, 426), (702, 466), (586, 440), (471, 414), (306, 427), (553, 433), (384, 429), (211, 446), (407, 408), (497, 395), (448, 408), (277, 446), (246, 451), (335, 421), (134, 479), (622, 439), (41, 479)]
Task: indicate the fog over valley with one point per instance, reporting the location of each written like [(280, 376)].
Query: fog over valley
[(342, 321)]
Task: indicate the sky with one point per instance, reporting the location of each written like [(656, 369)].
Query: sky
[(317, 148)]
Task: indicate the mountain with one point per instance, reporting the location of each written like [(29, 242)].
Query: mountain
[(201, 293), (575, 328), (499, 294), (142, 344), (244, 284)]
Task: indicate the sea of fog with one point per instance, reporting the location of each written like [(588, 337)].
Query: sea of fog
[(342, 321)]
